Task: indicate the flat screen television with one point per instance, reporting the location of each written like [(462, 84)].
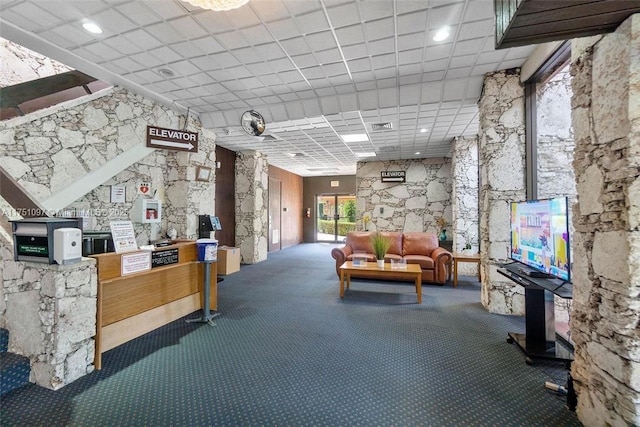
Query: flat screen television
[(540, 236)]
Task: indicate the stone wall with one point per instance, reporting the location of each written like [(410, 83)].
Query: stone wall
[(46, 150), (606, 243), (555, 146), (20, 64), (50, 311), (252, 201), (464, 164), (410, 206), (501, 152)]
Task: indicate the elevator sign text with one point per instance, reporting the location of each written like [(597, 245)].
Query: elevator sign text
[(172, 139), (392, 176)]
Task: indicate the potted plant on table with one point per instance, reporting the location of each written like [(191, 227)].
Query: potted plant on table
[(381, 245)]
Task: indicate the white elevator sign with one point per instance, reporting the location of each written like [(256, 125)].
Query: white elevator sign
[(172, 139)]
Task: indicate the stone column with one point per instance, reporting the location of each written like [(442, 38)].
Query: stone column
[(502, 179), (464, 165), (252, 200), (606, 241)]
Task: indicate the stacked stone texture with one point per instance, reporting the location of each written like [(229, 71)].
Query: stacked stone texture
[(464, 164), (502, 158), (555, 147), (50, 311), (606, 244), (410, 206), (252, 198)]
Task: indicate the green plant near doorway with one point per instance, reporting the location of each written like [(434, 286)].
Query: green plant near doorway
[(350, 210)]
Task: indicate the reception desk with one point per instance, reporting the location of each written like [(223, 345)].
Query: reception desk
[(131, 305)]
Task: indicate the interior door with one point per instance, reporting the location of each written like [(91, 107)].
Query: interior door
[(275, 204)]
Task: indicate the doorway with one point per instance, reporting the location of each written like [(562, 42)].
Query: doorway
[(336, 216)]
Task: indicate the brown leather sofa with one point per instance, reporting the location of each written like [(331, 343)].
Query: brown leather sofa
[(414, 247)]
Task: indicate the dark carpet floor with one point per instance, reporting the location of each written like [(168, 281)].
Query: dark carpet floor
[(288, 351)]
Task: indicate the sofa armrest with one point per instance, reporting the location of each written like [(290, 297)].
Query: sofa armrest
[(442, 260), (340, 255)]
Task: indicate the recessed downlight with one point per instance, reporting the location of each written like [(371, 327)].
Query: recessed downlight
[(423, 130), (92, 27), (354, 137), (165, 72), (442, 34)]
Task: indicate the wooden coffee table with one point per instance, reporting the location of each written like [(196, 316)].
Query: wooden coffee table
[(371, 270)]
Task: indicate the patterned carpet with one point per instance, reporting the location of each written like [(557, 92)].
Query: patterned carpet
[(287, 351)]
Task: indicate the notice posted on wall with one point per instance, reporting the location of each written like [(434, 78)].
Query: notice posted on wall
[(135, 263), (124, 238)]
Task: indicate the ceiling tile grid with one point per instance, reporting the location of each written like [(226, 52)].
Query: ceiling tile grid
[(316, 69)]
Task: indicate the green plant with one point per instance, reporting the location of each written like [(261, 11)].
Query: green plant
[(350, 210), (381, 245), (467, 244)]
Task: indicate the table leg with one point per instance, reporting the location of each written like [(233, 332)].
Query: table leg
[(419, 287), (348, 280), (341, 283), (455, 273)]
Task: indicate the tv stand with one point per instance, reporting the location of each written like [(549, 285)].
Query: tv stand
[(540, 339)]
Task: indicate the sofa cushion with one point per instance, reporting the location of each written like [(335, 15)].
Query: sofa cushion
[(396, 242), (416, 243), (425, 262), (360, 241)]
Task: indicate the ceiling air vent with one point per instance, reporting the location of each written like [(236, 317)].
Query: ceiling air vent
[(378, 127), (387, 148)]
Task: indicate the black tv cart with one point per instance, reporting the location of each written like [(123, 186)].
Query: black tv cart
[(540, 339)]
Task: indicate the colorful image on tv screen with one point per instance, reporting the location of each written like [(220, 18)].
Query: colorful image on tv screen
[(540, 235)]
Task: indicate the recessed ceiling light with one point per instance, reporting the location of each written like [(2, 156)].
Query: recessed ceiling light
[(417, 153), (441, 34), (366, 154), (165, 72), (355, 137), (92, 28), (423, 130)]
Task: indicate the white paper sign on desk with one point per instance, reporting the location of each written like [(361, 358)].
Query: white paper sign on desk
[(124, 238), (135, 262)]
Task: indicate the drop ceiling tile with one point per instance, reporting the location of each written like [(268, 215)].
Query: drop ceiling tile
[(224, 59), (382, 28), (411, 41), (165, 54), (446, 15), (64, 10), (289, 77), (245, 55), (283, 29), (327, 56), (270, 11), (478, 10), (410, 73), (73, 33), (474, 30), (410, 57), (103, 51), (184, 68), (312, 22), (188, 27), (259, 68), (283, 64), (350, 35), (164, 33), (138, 12), (438, 52), (232, 40), (239, 72), (295, 46), (20, 20), (243, 17), (384, 61), (213, 22), (36, 14), (164, 9), (382, 46), (312, 73), (344, 15), (457, 73), (113, 22), (122, 45), (411, 23), (142, 39), (321, 41), (354, 51), (208, 45), (468, 47), (257, 34)]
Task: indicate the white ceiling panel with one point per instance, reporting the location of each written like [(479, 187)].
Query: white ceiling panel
[(313, 68)]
